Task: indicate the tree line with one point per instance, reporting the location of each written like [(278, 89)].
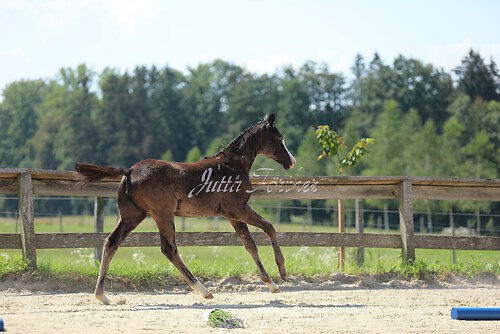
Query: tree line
[(425, 121)]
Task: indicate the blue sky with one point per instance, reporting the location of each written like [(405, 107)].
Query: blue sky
[(40, 37)]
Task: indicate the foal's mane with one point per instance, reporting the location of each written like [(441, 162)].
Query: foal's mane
[(240, 139)]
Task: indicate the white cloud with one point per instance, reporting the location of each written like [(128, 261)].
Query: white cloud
[(51, 13), (490, 50), (59, 14), (271, 63), (19, 5), (132, 16), (15, 54), (447, 56)]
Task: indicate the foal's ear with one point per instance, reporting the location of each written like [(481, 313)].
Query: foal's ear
[(270, 118)]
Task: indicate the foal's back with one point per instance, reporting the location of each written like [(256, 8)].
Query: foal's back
[(203, 188)]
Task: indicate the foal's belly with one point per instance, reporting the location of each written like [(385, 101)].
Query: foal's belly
[(207, 205)]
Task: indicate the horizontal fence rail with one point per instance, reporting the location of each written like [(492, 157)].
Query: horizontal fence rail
[(25, 183), (146, 239)]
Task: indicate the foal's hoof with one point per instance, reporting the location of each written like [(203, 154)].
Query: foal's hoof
[(273, 287), (198, 287), (283, 274), (208, 296), (277, 290), (103, 299)]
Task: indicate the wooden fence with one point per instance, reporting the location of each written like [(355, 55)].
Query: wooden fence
[(25, 183)]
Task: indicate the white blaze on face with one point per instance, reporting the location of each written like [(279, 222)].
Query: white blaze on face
[(292, 159)]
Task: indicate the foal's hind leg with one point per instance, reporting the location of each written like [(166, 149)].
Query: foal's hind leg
[(122, 230), (251, 247), (246, 215), (169, 249), (130, 218)]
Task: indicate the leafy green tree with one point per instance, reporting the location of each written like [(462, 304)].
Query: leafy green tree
[(332, 147), (170, 121), (293, 105), (309, 96), (480, 116), (66, 133), (193, 155), (118, 131), (424, 151), (19, 119), (452, 160), (459, 109), (51, 120), (5, 149), (477, 152), (253, 97), (206, 99), (307, 148), (76, 138), (327, 93), (423, 156), (167, 156), (308, 166), (409, 82), (387, 156), (140, 92), (478, 79), (492, 123), (451, 163), (421, 87), (359, 71), (216, 145), (373, 90)]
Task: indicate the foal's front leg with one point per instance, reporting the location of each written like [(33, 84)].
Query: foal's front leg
[(249, 243)]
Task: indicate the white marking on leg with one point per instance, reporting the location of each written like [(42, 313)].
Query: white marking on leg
[(198, 287), (103, 299), (273, 287)]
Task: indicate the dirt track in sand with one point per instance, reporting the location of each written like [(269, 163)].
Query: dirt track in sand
[(332, 306)]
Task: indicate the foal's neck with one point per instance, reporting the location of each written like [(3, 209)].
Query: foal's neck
[(245, 148)]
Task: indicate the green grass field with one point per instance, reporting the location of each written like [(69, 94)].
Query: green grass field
[(215, 261)]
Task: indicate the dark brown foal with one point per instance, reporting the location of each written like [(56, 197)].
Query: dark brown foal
[(214, 186)]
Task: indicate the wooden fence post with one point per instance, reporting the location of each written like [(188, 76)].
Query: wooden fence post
[(98, 223), (360, 222), (341, 230), (406, 220), (26, 213), (452, 226)]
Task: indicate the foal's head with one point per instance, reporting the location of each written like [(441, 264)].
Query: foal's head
[(273, 145)]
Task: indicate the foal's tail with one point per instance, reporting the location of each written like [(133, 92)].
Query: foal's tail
[(91, 173)]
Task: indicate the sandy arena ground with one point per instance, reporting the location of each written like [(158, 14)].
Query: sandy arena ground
[(339, 304)]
